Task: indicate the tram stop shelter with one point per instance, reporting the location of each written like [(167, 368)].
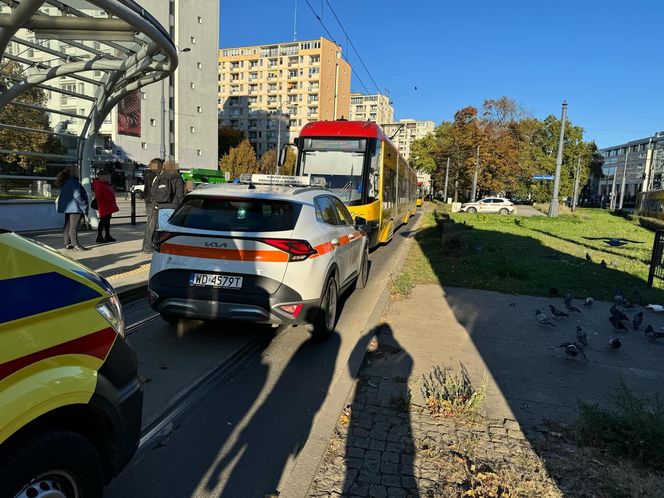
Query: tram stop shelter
[(111, 48)]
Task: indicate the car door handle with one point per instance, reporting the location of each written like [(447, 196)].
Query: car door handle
[(334, 242)]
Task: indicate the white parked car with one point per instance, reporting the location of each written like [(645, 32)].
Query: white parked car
[(489, 205), (260, 253)]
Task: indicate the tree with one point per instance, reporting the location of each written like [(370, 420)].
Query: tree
[(240, 159), (20, 140), (289, 165), (268, 162), (229, 137)]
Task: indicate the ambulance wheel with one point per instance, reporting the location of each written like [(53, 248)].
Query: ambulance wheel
[(363, 277), (59, 464), (326, 319)]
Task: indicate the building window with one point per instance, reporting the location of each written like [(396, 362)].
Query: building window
[(199, 65), (199, 109), (192, 129), (200, 20), (144, 95), (193, 40), (199, 152), (153, 122), (192, 85), (144, 145)]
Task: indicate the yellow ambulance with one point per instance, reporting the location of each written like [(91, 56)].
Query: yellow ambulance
[(70, 396)]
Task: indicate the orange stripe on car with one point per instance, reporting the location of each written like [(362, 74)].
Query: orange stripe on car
[(97, 344), (326, 247), (226, 254)]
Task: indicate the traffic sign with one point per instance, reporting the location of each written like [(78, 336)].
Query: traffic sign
[(542, 177)]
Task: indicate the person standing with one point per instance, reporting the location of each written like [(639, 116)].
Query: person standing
[(73, 203), (167, 193), (106, 205), (155, 169)]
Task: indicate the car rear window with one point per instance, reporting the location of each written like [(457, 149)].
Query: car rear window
[(234, 214)]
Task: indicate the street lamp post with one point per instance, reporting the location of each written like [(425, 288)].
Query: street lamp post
[(447, 174), (576, 181), (553, 206), (477, 167), (622, 182), (279, 116)]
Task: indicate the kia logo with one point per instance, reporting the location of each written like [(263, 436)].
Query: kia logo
[(216, 244)]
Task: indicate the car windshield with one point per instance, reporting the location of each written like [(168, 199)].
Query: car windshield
[(235, 214), (339, 161)]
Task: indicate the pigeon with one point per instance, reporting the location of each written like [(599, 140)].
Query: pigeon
[(542, 319), (653, 335), (617, 324), (615, 312), (637, 320), (581, 337), (572, 349), (603, 264), (569, 305), (556, 312), (615, 343), (588, 302), (657, 308), (588, 258)]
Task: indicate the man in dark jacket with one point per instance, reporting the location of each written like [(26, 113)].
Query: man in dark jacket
[(164, 190)]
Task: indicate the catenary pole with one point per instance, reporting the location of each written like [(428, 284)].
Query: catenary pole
[(554, 206)]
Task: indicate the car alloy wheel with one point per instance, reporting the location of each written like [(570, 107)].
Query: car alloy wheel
[(504, 211), (53, 484), (471, 210)]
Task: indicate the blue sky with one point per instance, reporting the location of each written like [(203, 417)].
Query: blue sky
[(606, 58)]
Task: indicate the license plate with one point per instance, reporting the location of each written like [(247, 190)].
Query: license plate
[(213, 280)]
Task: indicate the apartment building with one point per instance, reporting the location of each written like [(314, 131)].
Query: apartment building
[(264, 90), (175, 119), (377, 108), (406, 131), (640, 161)]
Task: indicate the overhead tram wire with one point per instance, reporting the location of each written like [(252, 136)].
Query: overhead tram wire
[(352, 45), (332, 38)]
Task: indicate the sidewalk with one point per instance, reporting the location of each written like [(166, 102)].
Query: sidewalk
[(387, 444), (123, 263)]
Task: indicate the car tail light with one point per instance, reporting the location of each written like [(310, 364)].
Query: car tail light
[(291, 309), (298, 249), (160, 237)]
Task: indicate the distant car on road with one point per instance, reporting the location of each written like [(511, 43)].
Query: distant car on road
[(139, 190), (260, 253), (489, 205)]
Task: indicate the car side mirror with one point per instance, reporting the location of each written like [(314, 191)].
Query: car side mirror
[(360, 222)]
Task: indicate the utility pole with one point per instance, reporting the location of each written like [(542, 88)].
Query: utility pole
[(447, 174), (553, 206), (612, 204), (576, 181), (477, 167), (622, 183), (162, 151)]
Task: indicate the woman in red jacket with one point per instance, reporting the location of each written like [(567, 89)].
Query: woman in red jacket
[(106, 205)]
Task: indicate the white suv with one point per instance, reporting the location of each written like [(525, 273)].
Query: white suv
[(261, 253), (489, 205)]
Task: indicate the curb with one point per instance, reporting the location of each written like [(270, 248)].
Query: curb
[(299, 479), (133, 292)]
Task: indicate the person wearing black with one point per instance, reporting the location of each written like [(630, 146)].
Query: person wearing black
[(164, 190)]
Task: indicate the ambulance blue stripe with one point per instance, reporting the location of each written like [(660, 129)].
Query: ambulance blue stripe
[(25, 296)]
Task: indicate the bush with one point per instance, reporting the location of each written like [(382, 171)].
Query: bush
[(635, 429), (652, 224), (448, 393)]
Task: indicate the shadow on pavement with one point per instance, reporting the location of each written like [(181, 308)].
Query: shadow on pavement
[(498, 333), (379, 443)]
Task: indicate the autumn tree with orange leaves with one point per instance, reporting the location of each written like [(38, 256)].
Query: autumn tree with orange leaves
[(513, 147)]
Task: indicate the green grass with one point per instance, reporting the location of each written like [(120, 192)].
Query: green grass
[(634, 429), (529, 255)]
